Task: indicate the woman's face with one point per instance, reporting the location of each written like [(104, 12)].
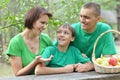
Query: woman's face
[(64, 36), (40, 24)]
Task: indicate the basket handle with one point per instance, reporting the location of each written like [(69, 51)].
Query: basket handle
[(94, 47)]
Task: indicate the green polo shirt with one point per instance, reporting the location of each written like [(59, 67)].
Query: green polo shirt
[(61, 59), (85, 41)]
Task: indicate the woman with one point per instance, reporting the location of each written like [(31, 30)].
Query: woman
[(25, 47)]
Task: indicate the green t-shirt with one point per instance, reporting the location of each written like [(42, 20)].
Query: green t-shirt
[(85, 41), (61, 59), (18, 47)]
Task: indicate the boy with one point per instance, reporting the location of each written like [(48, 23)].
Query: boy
[(66, 58)]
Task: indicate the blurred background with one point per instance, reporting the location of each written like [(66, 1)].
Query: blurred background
[(12, 19)]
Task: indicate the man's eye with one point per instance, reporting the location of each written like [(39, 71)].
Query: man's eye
[(86, 17)]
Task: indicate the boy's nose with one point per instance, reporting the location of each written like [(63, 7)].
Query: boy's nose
[(62, 34)]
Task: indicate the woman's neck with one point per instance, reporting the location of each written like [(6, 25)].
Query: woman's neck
[(29, 34)]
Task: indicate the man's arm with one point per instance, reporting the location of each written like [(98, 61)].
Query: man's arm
[(84, 67)]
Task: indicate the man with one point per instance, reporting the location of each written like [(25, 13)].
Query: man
[(89, 28)]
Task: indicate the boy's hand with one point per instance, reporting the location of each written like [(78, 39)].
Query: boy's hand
[(69, 68)]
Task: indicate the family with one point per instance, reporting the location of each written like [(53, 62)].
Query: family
[(33, 52)]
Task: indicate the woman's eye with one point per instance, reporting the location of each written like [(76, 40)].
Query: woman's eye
[(43, 23), (59, 32)]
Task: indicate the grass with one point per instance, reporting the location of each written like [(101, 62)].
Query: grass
[(5, 70)]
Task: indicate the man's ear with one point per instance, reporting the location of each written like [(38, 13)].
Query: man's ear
[(99, 18)]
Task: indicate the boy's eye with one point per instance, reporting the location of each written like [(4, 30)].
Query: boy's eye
[(63, 32), (66, 33)]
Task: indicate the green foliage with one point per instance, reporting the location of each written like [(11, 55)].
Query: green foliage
[(12, 14), (106, 4), (63, 11)]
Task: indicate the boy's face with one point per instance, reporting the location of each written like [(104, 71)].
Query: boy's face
[(64, 36)]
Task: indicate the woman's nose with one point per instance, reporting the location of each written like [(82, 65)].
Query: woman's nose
[(44, 25)]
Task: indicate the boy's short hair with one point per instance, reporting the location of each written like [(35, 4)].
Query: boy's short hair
[(67, 25)]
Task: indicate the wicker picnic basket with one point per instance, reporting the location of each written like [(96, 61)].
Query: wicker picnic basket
[(104, 69)]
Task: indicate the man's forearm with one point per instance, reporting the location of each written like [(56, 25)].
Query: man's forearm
[(91, 66)]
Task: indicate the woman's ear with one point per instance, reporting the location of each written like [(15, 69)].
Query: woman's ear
[(72, 39)]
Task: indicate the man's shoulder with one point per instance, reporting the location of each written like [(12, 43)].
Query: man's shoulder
[(103, 25), (75, 24)]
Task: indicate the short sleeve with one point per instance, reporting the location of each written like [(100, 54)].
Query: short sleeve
[(109, 45), (80, 58), (14, 48)]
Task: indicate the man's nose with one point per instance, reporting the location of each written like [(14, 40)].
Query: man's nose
[(82, 19)]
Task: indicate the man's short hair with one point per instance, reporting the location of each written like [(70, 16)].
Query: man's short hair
[(94, 6)]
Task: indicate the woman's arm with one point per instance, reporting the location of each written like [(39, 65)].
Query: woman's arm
[(16, 64), (42, 69)]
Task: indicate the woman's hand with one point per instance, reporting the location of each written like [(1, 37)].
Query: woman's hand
[(16, 64)]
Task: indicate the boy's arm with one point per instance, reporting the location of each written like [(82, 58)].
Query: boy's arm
[(42, 69)]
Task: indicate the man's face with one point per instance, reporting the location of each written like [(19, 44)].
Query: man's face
[(88, 19)]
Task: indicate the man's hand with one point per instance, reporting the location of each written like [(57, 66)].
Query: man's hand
[(84, 67)]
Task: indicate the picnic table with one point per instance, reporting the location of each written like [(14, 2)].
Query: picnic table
[(92, 75)]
